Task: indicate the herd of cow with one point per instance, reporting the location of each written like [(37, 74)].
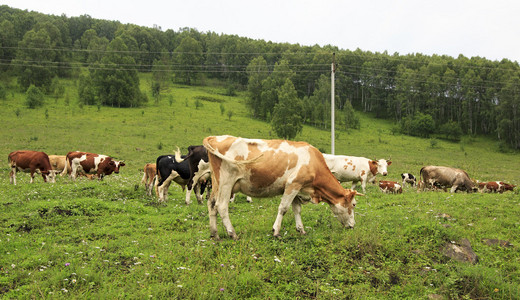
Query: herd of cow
[(257, 168)]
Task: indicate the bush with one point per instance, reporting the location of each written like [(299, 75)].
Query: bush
[(421, 125), (451, 130), (33, 97)]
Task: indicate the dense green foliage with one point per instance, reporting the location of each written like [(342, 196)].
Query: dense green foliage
[(474, 95), (107, 239)]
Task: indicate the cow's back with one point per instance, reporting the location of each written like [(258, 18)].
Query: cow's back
[(262, 168)]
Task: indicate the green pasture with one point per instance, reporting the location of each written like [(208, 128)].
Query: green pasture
[(107, 239)]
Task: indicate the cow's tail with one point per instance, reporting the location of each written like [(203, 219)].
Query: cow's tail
[(223, 157), (421, 179), (67, 168)]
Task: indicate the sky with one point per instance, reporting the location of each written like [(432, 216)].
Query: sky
[(489, 29)]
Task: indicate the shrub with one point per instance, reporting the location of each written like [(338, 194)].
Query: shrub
[(451, 130), (33, 97)]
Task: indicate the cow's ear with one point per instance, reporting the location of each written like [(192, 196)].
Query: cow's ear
[(121, 164), (111, 163), (388, 162)]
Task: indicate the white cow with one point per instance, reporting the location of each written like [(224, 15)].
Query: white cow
[(356, 169)]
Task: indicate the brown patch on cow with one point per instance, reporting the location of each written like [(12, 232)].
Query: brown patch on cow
[(264, 175), (88, 163), (373, 167), (362, 173)]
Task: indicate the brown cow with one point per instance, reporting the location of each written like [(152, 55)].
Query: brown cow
[(266, 168), (446, 177), (390, 187), (91, 163), (30, 161), (149, 177)]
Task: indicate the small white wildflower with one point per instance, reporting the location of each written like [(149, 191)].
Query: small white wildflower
[(276, 259), (13, 265)]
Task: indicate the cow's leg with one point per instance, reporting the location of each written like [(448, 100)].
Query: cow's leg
[(74, 172), (188, 196), (212, 212), (453, 189), (222, 204), (297, 208), (32, 175), (287, 199), (12, 176)]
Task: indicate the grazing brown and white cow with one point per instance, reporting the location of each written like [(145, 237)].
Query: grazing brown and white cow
[(390, 187), (447, 177), (58, 162), (149, 177), (356, 169), (91, 163), (266, 168), (494, 187), (30, 161)]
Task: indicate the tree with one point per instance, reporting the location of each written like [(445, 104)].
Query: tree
[(287, 121), (351, 119), (115, 82), (189, 59), (257, 71), (33, 97), (33, 59)]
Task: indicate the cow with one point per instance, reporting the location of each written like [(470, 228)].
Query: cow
[(390, 187), (267, 168), (91, 163), (356, 169), (447, 177), (177, 168), (494, 187), (58, 162), (409, 178), (30, 161), (149, 177)]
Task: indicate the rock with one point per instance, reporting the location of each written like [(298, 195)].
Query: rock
[(461, 251)]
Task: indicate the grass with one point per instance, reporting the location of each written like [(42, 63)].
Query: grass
[(91, 239)]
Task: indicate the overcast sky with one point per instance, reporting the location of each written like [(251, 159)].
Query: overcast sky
[(489, 29)]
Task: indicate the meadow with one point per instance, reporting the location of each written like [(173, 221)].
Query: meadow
[(108, 239)]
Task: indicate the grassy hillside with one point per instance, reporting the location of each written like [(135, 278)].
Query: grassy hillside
[(93, 239)]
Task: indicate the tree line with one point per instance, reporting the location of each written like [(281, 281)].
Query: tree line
[(423, 94)]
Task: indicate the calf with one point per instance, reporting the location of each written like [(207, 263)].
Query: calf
[(148, 177), (30, 161), (356, 169), (494, 187), (91, 163), (409, 178), (390, 187)]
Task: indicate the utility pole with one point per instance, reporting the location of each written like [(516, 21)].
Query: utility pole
[(332, 105)]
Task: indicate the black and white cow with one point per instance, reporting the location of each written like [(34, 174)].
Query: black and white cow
[(409, 178), (181, 169)]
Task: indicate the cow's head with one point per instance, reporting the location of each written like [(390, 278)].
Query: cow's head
[(117, 165), (344, 210), (49, 176), (379, 166)]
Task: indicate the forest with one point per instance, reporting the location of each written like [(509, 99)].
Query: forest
[(287, 84)]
